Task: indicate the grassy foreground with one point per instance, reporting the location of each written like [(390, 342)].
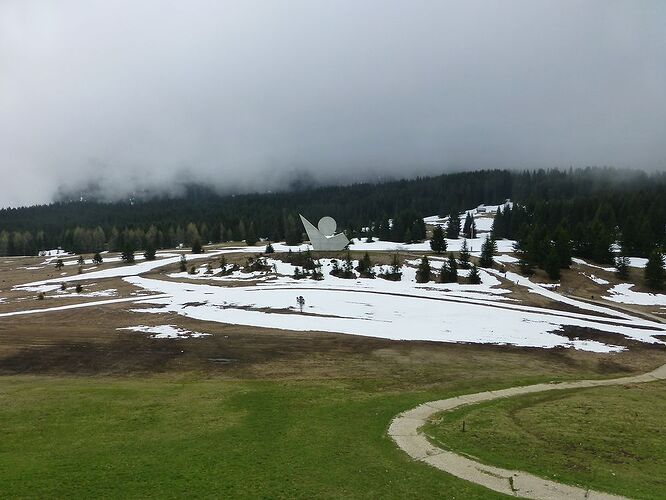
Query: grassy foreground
[(167, 438), (611, 439)]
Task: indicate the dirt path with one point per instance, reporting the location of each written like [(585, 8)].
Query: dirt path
[(405, 431)]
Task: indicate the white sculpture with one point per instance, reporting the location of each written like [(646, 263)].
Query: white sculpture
[(323, 236)]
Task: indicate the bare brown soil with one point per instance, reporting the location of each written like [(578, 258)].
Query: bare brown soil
[(87, 342)]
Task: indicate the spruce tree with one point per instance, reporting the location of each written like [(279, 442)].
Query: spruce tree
[(474, 276), (464, 255), (622, 266), (269, 248), (364, 267), (469, 228), (452, 268), (423, 271), (654, 271), (488, 250), (197, 247), (552, 265), (97, 259), (251, 236), (453, 227), (128, 254), (438, 243), (149, 254), (563, 247)]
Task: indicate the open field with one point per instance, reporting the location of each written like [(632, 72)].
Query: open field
[(610, 439), (313, 436), (252, 397)]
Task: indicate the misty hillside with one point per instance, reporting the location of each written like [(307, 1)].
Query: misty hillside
[(621, 204)]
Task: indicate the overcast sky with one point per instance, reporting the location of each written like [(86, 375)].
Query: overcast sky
[(245, 93)]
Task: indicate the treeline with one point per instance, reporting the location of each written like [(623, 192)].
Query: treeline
[(591, 205)]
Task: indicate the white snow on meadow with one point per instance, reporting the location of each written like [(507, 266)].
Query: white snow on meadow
[(596, 279), (581, 262), (473, 244), (165, 332), (446, 312), (623, 293)]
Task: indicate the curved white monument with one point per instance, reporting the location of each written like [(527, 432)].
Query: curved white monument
[(323, 236)]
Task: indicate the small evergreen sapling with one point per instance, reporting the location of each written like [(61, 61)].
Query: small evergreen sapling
[(464, 255), (474, 276), (423, 271), (364, 267), (97, 259), (622, 267), (452, 267)]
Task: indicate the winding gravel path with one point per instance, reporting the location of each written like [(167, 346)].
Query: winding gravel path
[(405, 431)]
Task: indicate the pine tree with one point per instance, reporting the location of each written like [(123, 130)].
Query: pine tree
[(453, 227), (97, 259), (563, 247), (452, 268), (364, 267), (464, 255), (149, 254), (552, 265), (474, 276), (128, 254), (269, 248), (622, 266), (488, 250), (348, 267), (438, 243), (654, 271), (197, 247), (469, 228), (251, 236), (423, 271)]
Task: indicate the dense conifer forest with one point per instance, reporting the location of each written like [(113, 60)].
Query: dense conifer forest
[(581, 212)]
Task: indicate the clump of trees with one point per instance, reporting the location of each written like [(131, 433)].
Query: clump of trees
[(394, 272), (346, 270)]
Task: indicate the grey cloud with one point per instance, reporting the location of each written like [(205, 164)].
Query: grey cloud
[(239, 94)]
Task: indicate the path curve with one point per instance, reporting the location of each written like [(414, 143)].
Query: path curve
[(405, 430)]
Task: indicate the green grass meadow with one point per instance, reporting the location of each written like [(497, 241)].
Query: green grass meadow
[(174, 438), (611, 439)]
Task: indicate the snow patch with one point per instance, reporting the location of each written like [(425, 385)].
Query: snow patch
[(166, 332)]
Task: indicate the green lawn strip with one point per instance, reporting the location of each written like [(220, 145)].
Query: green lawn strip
[(610, 439), (148, 438)]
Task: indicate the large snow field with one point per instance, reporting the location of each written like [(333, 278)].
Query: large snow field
[(394, 310)]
